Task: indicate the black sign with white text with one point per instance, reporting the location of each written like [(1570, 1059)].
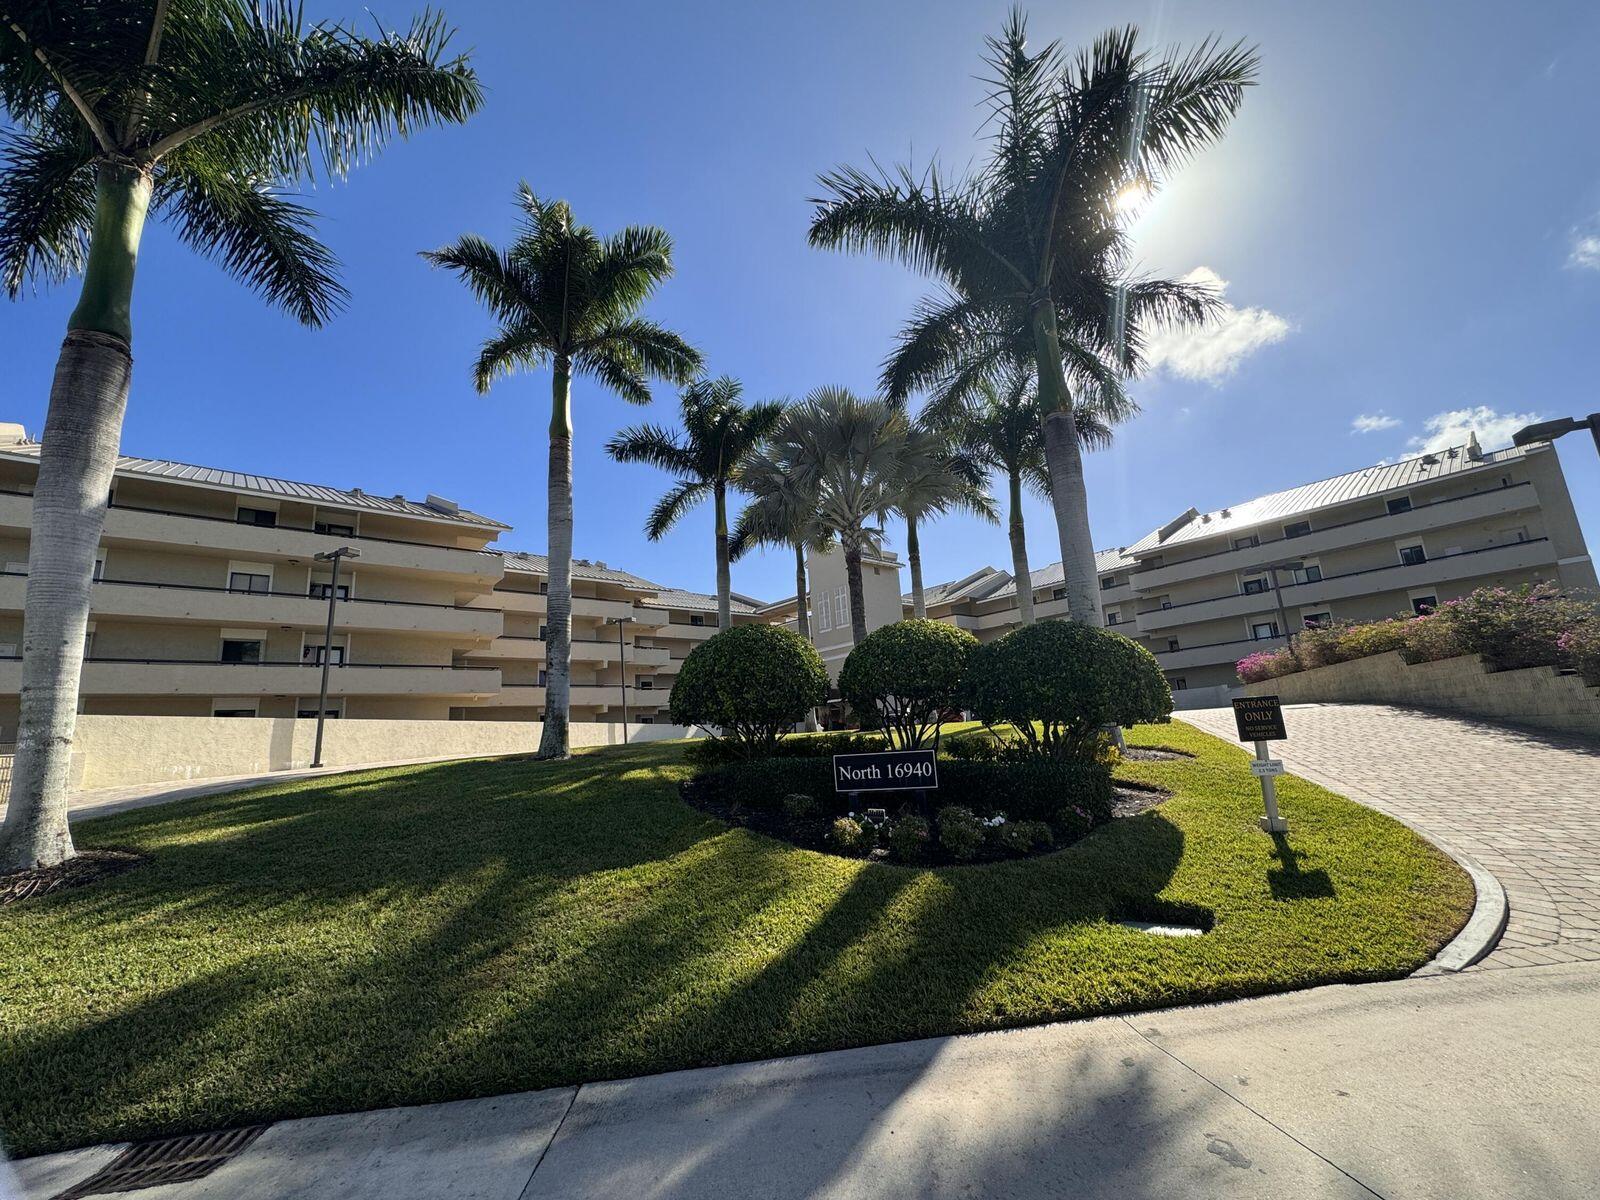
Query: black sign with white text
[(1260, 719), (892, 771)]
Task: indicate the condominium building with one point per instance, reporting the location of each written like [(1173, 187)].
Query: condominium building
[(1207, 588), (209, 601)]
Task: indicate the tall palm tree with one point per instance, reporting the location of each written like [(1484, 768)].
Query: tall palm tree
[(845, 452), (567, 297), (200, 111), (719, 435), (1030, 250), (999, 425), (935, 475)]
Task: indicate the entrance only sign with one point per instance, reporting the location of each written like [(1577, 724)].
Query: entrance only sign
[(1260, 719)]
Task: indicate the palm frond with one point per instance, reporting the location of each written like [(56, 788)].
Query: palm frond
[(671, 507), (46, 203), (653, 445), (515, 347), (650, 349)]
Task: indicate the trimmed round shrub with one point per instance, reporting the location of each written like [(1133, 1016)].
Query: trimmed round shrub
[(1023, 837), (751, 683), (972, 747), (848, 836), (908, 675), (960, 832), (1057, 683), (797, 806), (909, 838)]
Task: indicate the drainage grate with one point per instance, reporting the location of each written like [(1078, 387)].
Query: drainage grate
[(170, 1160)]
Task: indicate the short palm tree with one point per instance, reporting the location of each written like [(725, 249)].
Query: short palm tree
[(200, 111), (935, 475), (568, 298), (1000, 427), (719, 435), (844, 452), (1030, 250)]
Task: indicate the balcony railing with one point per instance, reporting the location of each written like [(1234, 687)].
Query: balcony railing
[(306, 595)]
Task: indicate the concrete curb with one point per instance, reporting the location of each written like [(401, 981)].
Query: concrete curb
[(1490, 911)]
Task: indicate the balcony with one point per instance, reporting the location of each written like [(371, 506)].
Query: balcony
[(533, 649), (682, 629), (1219, 652), (1463, 565), (147, 677), (583, 695), (1439, 514), (218, 535), (509, 601), (591, 606), (142, 601)]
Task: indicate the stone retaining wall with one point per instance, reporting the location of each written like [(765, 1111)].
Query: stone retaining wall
[(1539, 697), (112, 751)]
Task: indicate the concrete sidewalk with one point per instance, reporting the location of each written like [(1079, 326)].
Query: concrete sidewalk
[(1484, 1084)]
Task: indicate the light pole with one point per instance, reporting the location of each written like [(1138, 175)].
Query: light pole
[(622, 670), (328, 556), (1283, 615), (1549, 431)]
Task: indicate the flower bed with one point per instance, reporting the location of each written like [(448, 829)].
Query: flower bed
[(1532, 626)]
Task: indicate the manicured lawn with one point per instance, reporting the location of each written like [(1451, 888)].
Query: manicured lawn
[(436, 932)]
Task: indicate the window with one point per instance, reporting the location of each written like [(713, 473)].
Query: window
[(841, 609), (645, 683), (238, 650), (1059, 594), (336, 528), (544, 587), (1399, 504), (1316, 620), (1172, 644), (543, 678), (1113, 617), (1423, 605), (1296, 529), (1165, 602), (1255, 586), (319, 591), (249, 581), (313, 655), (824, 614), (696, 619), (544, 633), (1309, 573), (233, 712), (1246, 542), (1413, 556), (310, 714), (1107, 582), (645, 720), (99, 568), (257, 516), (1265, 631), (1180, 684)]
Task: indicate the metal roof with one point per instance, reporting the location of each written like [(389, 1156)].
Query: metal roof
[(676, 598), (539, 564), (1326, 493), (976, 584), (266, 485), (1104, 562)]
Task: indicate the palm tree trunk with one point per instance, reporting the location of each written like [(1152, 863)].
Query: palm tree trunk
[(858, 604), (553, 742), (724, 576), (919, 599), (1064, 459), (1019, 551), (803, 615), (77, 458)]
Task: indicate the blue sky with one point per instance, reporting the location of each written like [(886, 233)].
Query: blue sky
[(1406, 214)]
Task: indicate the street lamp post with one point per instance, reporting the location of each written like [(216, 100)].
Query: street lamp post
[(329, 556), (1549, 431), (622, 670), (1283, 614)]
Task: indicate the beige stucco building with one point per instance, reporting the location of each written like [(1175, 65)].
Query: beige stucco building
[(208, 601)]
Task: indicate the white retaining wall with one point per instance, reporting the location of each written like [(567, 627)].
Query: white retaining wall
[(111, 751), (1539, 697)]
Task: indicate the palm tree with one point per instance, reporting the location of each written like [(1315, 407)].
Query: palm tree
[(719, 434), (845, 453), (201, 112), (566, 297), (1031, 251), (934, 475), (1000, 428)]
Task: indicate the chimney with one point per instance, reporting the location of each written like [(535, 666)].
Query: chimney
[(443, 505), (1474, 451)]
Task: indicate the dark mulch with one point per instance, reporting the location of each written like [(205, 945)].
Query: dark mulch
[(1135, 798), (88, 866), (1153, 754)]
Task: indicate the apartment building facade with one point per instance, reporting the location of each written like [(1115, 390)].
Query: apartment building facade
[(1207, 588)]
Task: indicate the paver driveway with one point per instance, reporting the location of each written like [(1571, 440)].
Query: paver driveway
[(1525, 805)]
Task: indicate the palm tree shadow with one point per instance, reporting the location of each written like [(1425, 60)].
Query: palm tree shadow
[(1289, 883)]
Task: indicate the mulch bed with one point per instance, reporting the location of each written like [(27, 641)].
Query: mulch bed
[(88, 866), (1135, 798), (1153, 754)]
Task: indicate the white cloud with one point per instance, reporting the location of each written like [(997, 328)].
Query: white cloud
[(1585, 251), (1212, 352), (1494, 429), (1373, 423)]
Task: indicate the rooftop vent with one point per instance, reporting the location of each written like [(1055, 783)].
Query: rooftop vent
[(1430, 460), (1177, 523), (599, 565), (1474, 451), (1227, 512), (443, 505)]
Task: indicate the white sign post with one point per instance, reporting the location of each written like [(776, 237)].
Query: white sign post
[(1265, 768)]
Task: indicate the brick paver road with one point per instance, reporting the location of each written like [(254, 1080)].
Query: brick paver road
[(1525, 805)]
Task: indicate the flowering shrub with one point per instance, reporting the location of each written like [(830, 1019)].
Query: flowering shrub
[(849, 836), (909, 838), (1021, 837), (1380, 637), (1430, 638), (1266, 664), (1321, 646), (960, 832), (1515, 627), (1580, 649)]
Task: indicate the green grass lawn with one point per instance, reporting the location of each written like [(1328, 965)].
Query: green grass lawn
[(435, 932)]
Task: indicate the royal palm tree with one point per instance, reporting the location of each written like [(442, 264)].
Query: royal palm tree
[(719, 434), (845, 452), (999, 426), (568, 298), (935, 475), (1030, 250), (202, 112)]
